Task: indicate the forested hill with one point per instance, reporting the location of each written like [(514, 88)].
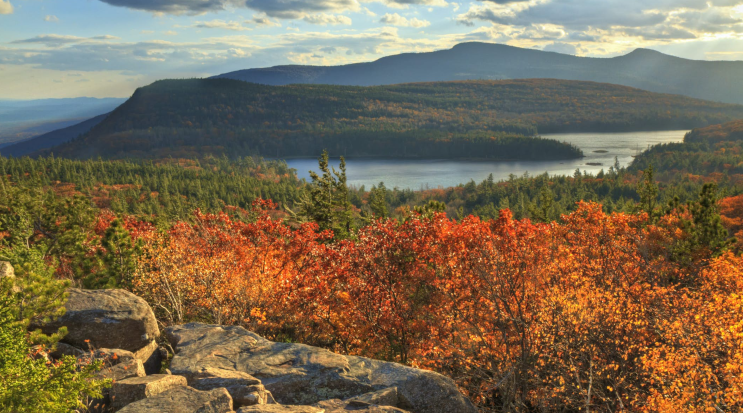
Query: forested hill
[(472, 119), (644, 69)]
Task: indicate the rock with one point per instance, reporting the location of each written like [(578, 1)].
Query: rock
[(150, 357), (340, 406), (6, 270), (297, 374), (245, 389), (183, 400), (128, 391), (278, 408), (121, 371), (108, 318), (384, 397), (113, 356), (67, 350)]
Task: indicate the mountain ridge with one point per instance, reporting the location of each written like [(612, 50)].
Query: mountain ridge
[(646, 69)]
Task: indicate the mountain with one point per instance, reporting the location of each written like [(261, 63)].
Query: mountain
[(23, 119), (51, 139), (470, 119), (643, 69)]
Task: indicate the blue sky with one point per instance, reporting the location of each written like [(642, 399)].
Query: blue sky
[(107, 48)]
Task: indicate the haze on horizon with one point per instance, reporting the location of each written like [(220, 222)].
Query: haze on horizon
[(107, 48)]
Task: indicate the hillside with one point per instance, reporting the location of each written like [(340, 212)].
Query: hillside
[(472, 119), (644, 69), (711, 153), (51, 139)]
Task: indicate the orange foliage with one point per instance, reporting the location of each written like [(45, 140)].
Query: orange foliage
[(586, 315)]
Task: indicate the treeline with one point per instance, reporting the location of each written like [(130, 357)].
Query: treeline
[(167, 188), (712, 153), (188, 118)]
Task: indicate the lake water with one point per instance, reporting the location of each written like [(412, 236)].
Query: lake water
[(599, 148)]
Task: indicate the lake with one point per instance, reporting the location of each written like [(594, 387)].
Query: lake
[(600, 150)]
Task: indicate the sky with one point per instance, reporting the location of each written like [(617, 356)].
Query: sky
[(108, 48)]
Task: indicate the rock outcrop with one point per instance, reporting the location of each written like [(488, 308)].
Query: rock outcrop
[(183, 400), (297, 374), (128, 391), (106, 319), (219, 369)]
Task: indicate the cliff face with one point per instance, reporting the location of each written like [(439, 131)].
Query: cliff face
[(222, 369)]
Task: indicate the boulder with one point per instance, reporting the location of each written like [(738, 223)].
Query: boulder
[(63, 349), (245, 389), (384, 397), (278, 408), (183, 400), (151, 357), (121, 371), (113, 356), (108, 319), (340, 406), (128, 391), (297, 374)]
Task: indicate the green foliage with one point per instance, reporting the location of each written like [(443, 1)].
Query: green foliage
[(707, 231), (30, 384), (116, 260), (327, 202), (648, 191), (167, 189), (378, 200)]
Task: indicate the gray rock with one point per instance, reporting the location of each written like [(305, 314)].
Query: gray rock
[(297, 374), (278, 408), (384, 397), (108, 319), (340, 406), (150, 357), (183, 400), (245, 389), (128, 391), (121, 371), (113, 356), (67, 350)]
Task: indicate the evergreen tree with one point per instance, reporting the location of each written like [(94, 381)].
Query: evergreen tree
[(378, 200)]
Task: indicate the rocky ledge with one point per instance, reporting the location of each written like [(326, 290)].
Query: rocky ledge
[(220, 369)]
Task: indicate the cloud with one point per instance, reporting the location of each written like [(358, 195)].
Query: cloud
[(57, 40), (262, 21), (172, 6), (324, 19), (51, 18), (6, 7), (404, 4), (560, 47), (397, 20), (220, 24)]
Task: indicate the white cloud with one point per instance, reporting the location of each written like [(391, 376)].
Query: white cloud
[(220, 24), (51, 18), (324, 19), (397, 20), (6, 7)]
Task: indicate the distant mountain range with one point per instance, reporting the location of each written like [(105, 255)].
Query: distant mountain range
[(23, 119), (50, 139), (467, 119), (719, 81)]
